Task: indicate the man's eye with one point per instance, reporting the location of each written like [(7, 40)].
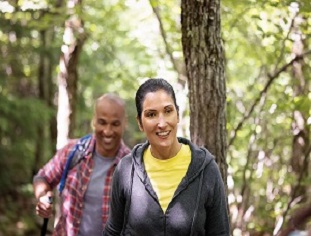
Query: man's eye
[(101, 122)]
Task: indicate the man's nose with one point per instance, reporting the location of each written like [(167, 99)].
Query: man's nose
[(107, 130)]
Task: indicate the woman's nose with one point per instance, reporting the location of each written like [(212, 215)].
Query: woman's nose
[(161, 121)]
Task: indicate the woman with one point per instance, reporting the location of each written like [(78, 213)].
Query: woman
[(166, 186)]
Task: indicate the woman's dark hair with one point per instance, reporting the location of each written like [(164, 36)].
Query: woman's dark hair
[(153, 85)]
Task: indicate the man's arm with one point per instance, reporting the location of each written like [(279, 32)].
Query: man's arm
[(47, 179)]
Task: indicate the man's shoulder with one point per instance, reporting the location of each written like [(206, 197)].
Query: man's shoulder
[(124, 150), (82, 146), (71, 142)]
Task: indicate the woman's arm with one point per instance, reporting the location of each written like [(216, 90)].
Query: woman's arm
[(217, 221)]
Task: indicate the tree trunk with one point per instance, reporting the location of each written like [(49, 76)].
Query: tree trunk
[(301, 131), (44, 74), (300, 158), (74, 38), (204, 58)]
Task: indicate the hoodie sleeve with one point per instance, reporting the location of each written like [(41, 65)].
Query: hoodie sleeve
[(114, 223), (217, 220)]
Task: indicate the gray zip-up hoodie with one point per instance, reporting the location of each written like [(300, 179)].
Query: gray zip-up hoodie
[(198, 206)]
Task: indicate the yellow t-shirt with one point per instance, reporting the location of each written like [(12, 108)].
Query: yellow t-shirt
[(165, 175)]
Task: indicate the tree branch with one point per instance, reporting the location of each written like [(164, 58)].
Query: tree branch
[(285, 39), (169, 52), (271, 78)]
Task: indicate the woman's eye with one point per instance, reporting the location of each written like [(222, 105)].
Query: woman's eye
[(151, 114), (168, 110)]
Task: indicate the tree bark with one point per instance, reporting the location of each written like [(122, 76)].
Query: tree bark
[(204, 58), (74, 38), (44, 75), (301, 131)]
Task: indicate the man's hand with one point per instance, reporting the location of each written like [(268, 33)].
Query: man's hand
[(44, 205)]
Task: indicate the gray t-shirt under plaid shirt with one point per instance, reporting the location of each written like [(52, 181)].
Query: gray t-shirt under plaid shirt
[(91, 222)]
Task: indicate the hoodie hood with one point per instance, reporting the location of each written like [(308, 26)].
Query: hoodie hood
[(200, 158)]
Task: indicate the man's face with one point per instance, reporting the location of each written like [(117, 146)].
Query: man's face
[(109, 124)]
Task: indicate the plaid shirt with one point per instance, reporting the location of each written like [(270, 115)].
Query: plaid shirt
[(76, 184)]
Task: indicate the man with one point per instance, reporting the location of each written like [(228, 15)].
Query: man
[(85, 198)]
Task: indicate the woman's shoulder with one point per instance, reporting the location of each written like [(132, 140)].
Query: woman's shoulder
[(125, 161)]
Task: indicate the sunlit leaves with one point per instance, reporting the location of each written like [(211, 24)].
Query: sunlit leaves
[(258, 40)]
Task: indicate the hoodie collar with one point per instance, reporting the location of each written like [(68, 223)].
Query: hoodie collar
[(200, 158)]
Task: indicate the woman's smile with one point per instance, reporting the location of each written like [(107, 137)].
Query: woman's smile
[(163, 134)]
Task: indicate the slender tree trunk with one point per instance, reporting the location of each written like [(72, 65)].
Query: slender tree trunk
[(74, 38), (43, 83), (204, 57), (46, 93), (301, 131), (300, 158)]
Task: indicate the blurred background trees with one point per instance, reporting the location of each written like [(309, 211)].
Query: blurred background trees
[(118, 44)]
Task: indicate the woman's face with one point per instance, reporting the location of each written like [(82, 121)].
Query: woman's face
[(159, 120)]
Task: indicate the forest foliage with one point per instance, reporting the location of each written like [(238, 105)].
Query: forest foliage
[(268, 78)]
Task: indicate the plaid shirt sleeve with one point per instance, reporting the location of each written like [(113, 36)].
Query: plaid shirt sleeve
[(52, 171)]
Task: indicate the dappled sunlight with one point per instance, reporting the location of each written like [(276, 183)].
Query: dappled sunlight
[(260, 164), (25, 5), (6, 7)]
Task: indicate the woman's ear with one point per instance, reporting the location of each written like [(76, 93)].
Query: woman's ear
[(140, 126)]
